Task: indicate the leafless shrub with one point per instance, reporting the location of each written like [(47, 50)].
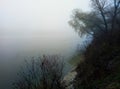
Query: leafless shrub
[(44, 72)]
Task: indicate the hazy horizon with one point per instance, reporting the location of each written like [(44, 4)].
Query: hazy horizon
[(35, 27), (28, 24)]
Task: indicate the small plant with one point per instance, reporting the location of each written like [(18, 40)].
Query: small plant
[(44, 72)]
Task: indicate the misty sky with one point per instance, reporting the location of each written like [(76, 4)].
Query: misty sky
[(38, 25), (37, 17)]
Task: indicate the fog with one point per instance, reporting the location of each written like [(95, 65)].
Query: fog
[(32, 28)]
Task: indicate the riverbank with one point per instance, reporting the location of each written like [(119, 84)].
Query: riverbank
[(68, 79)]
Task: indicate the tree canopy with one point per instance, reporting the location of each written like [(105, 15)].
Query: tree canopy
[(104, 17)]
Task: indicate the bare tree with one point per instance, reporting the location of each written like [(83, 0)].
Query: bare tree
[(44, 72), (116, 7), (106, 7), (104, 17), (100, 5)]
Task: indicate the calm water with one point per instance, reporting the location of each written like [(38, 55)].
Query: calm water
[(14, 48)]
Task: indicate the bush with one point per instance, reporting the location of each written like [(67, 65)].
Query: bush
[(44, 72)]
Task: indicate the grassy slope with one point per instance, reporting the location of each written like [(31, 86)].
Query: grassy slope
[(101, 68), (76, 59)]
